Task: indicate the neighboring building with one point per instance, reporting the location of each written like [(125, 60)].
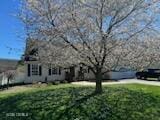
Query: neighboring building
[(1, 78), (6, 65)]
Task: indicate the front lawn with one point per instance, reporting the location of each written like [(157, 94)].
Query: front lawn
[(154, 90), (70, 102)]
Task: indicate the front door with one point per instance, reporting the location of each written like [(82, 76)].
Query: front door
[(72, 71)]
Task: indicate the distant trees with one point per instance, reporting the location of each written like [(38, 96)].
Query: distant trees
[(100, 34)]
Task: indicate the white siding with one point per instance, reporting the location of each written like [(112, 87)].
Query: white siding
[(18, 78), (4, 79), (122, 75), (110, 75), (22, 75), (37, 78)]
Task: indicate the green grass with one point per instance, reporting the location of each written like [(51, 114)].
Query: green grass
[(155, 90), (29, 89), (68, 102)]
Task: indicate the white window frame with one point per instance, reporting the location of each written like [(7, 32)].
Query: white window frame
[(54, 70), (36, 71)]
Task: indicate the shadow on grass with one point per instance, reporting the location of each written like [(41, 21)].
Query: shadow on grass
[(75, 104), (71, 103)]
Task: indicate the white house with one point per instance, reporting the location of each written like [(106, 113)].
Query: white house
[(34, 71)]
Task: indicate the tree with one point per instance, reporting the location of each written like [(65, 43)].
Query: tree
[(100, 34), (10, 74)]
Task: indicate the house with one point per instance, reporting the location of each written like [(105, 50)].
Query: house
[(36, 71), (33, 70)]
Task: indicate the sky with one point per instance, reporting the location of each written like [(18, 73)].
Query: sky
[(12, 34)]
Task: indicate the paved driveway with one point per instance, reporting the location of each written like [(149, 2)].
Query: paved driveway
[(124, 81)]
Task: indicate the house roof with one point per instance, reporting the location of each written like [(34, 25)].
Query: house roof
[(34, 46), (7, 64)]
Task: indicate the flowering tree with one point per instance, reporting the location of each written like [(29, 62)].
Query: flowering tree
[(100, 34)]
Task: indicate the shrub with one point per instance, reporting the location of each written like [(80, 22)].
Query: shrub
[(63, 81), (49, 83), (56, 82)]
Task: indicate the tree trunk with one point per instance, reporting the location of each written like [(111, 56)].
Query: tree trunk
[(98, 83)]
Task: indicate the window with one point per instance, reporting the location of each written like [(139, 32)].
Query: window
[(34, 70), (54, 71)]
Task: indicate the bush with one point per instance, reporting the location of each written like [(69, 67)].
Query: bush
[(63, 81), (49, 83), (56, 82)]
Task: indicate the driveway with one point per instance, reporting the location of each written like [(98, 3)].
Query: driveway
[(124, 81)]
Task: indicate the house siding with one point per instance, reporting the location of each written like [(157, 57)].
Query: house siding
[(121, 75), (43, 74)]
